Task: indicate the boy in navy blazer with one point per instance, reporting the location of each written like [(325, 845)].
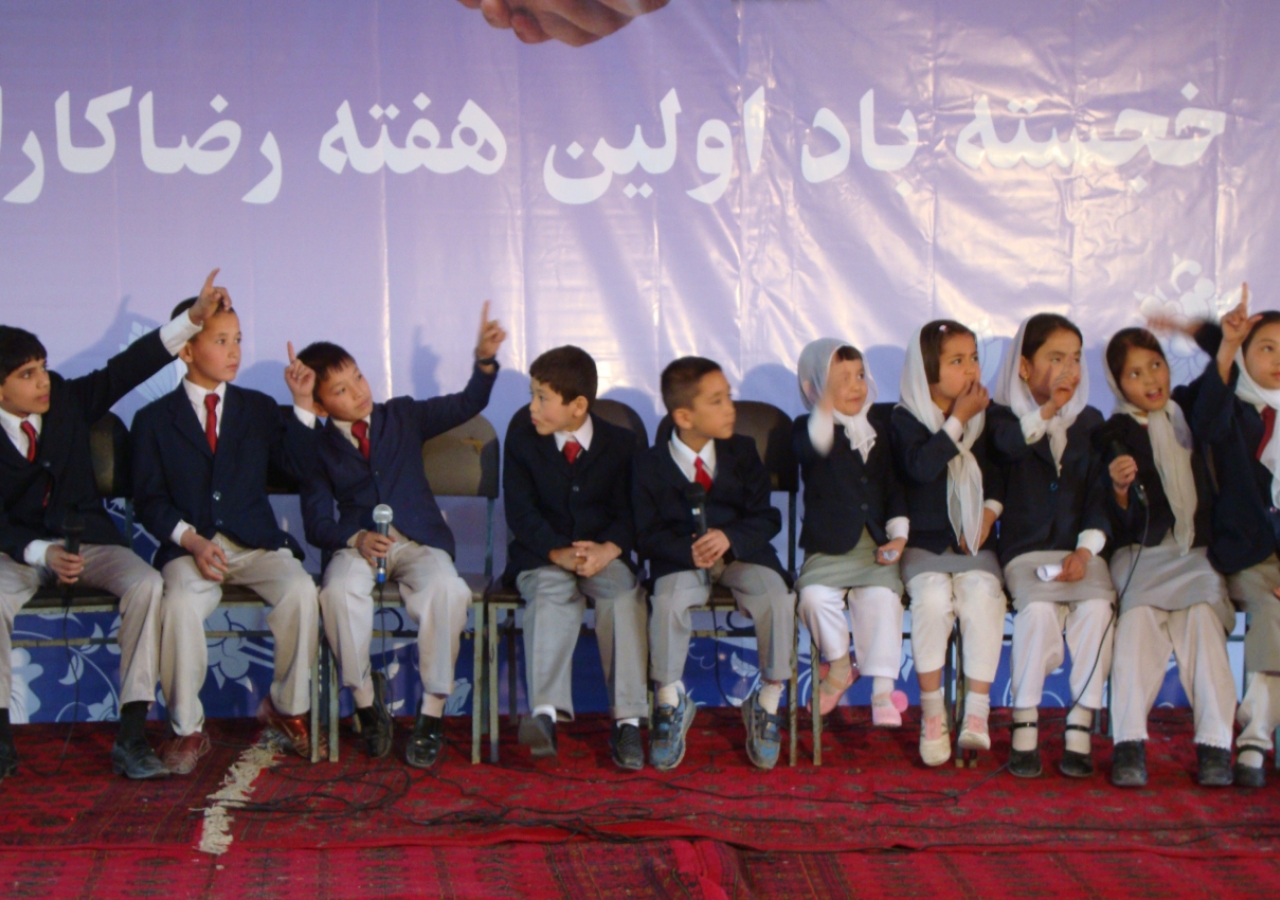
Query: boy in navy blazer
[(369, 454), (201, 457), (734, 551), (47, 481), (567, 487)]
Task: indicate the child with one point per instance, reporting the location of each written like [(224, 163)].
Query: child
[(1246, 524), (1170, 596), (734, 551), (567, 483), (369, 454), (46, 481), (1054, 521), (855, 526), (200, 460), (949, 565)]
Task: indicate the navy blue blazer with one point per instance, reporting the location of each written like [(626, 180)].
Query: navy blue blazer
[(63, 468), (393, 474), (550, 503), (738, 504), (176, 477)]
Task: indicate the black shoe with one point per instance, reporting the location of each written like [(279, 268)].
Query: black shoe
[(1214, 766), (1250, 776), (627, 747), (8, 757), (426, 744), (137, 760), (764, 732), (375, 721), (1025, 763), (1075, 765), (1129, 764), (538, 733)]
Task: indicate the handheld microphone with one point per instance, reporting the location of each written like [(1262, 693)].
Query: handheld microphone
[(1117, 450), (73, 530), (696, 495), (382, 524)]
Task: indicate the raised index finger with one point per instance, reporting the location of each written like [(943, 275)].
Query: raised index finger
[(208, 282), (292, 357), (484, 315)]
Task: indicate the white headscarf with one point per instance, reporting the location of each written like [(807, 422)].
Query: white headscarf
[(1250, 391), (812, 371), (1171, 442), (1012, 391), (964, 477)]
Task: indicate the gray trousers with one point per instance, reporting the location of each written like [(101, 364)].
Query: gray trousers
[(117, 570), (759, 591), (555, 601)]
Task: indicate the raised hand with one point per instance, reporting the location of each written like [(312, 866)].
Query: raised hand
[(212, 299), (301, 380), (973, 400), (491, 337), (572, 22), (1236, 326)]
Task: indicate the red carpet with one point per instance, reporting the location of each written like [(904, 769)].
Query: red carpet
[(568, 828)]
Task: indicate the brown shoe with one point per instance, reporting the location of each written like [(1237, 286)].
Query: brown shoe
[(181, 754), (294, 728)]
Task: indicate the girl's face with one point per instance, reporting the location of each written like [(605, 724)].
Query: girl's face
[(1057, 357), (958, 367), (1262, 362), (847, 386), (1144, 381)]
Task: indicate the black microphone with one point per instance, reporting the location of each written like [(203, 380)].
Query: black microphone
[(696, 495), (382, 523), (1117, 450), (73, 530)]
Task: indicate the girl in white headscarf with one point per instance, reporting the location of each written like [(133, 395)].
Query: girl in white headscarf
[(1246, 524), (855, 529), (949, 567), (1171, 599), (1052, 529)]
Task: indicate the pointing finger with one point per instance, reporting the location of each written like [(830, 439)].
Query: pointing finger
[(208, 282), (292, 357)]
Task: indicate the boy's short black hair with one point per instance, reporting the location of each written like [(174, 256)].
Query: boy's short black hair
[(1119, 345), (681, 378), (17, 348), (932, 337), (182, 307), (324, 358), (1041, 327), (1270, 317), (569, 371)]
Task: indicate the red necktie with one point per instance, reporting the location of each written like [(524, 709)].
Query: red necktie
[(571, 450), (211, 421), (700, 473), (30, 431), (1268, 428), (361, 432)]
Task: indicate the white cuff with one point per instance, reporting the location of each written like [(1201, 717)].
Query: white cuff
[(176, 332), (822, 430), (994, 505), (1093, 540), (178, 531), (898, 527), (1034, 426), (305, 416), (955, 428), (35, 552)]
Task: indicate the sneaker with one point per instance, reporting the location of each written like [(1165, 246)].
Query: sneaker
[(1129, 764), (764, 732), (974, 735), (1214, 766), (935, 741), (538, 733), (183, 753), (627, 746), (888, 714), (667, 735)]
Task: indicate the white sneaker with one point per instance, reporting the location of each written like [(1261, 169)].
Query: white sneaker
[(935, 741), (974, 734)]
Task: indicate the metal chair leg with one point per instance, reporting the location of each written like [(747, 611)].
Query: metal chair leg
[(492, 679), (478, 681), (315, 708), (793, 705), (813, 696), (329, 673)]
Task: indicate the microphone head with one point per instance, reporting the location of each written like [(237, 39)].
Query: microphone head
[(382, 514), (73, 523), (695, 493)]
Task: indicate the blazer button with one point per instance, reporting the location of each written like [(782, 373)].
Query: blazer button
[(864, 479), (217, 522), (217, 495), (864, 507), (1053, 485), (575, 489)]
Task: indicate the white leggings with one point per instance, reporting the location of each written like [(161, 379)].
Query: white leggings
[(1038, 649), (877, 626), (977, 600)]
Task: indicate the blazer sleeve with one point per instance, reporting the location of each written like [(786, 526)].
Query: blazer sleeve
[(760, 520), (656, 538), (322, 528), (994, 475), (1008, 442), (439, 414), (14, 538), (922, 456), (520, 500), (98, 391), (151, 497), (1122, 520), (1212, 405), (293, 445), (621, 528)]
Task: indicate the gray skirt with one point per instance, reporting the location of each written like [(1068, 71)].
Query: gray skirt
[(916, 561), (1026, 587), (857, 568), (1253, 590), (1165, 579)]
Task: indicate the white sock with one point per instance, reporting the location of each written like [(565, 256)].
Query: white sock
[(1025, 739), (670, 694), (548, 711), (881, 688), (770, 695), (979, 705), (433, 705), (1075, 740), (931, 704), (1252, 757), (634, 720)]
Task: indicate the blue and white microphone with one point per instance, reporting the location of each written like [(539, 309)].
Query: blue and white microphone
[(382, 524)]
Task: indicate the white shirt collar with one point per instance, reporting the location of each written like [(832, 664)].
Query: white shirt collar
[(583, 435), (684, 456), (196, 394), (345, 428), (13, 427)]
